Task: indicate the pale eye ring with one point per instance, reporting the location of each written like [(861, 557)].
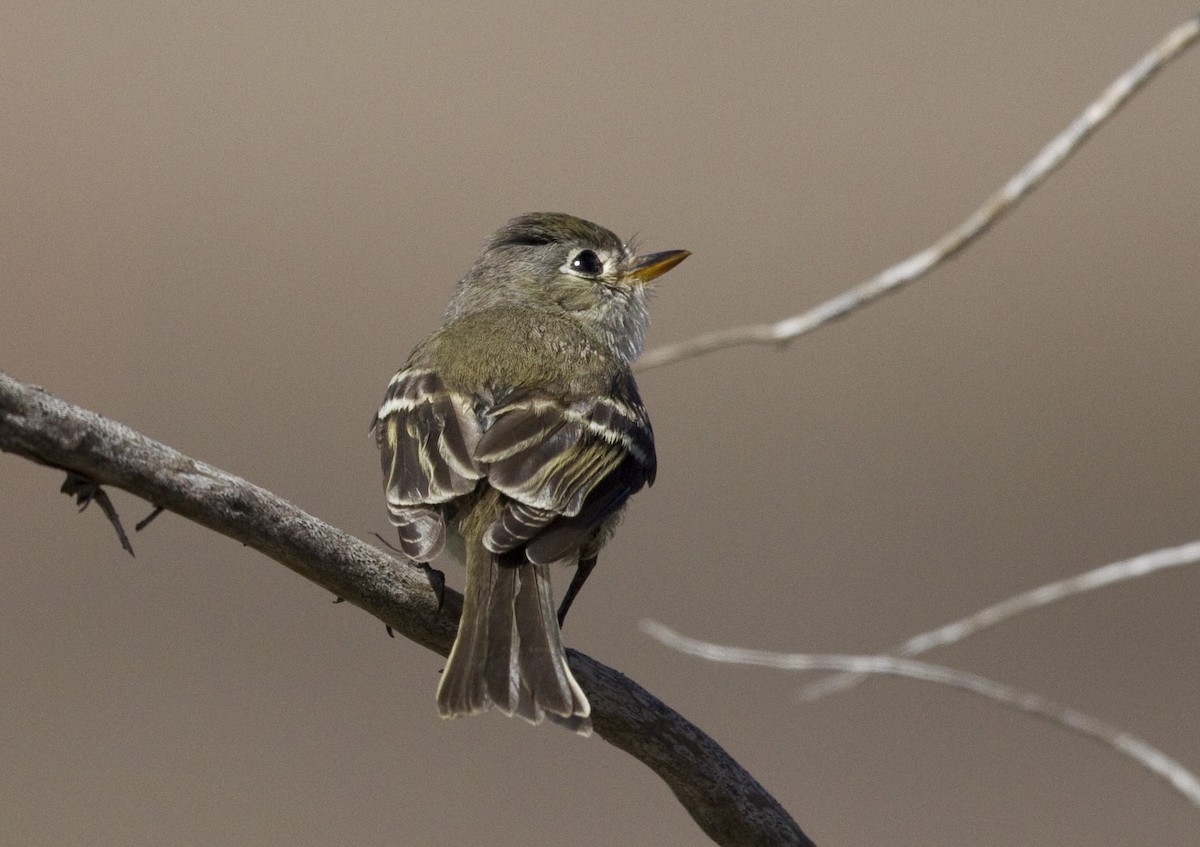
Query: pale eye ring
[(586, 262)]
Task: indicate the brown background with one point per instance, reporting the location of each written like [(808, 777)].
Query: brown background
[(226, 226)]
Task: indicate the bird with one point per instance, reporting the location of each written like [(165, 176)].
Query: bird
[(513, 436)]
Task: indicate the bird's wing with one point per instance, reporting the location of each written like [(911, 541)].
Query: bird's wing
[(564, 465), (427, 437)]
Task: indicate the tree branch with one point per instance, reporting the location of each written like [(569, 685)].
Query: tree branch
[(1019, 604), (1142, 752), (720, 795), (1012, 192)]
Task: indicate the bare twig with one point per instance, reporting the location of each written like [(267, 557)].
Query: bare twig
[(1140, 751), (145, 522), (85, 491), (723, 798), (1016, 189), (1147, 563)]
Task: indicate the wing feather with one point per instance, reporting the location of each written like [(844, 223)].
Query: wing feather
[(427, 437), (565, 466)]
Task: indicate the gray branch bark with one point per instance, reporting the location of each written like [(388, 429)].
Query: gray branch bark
[(720, 795)]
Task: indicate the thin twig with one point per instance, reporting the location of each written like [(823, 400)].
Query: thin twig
[(1016, 189), (1140, 751), (1146, 563), (145, 522), (85, 491)]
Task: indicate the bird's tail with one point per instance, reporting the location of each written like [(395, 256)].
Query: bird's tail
[(509, 651)]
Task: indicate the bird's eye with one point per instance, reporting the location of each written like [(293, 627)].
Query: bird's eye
[(587, 263)]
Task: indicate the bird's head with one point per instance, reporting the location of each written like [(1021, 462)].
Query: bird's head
[(555, 261)]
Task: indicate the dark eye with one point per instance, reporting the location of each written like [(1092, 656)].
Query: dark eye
[(588, 263)]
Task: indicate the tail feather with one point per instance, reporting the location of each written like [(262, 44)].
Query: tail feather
[(509, 651), (547, 682), (463, 689), (500, 673)]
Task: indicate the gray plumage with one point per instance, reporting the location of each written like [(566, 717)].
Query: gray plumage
[(517, 429)]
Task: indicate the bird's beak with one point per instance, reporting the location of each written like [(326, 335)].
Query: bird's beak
[(646, 268)]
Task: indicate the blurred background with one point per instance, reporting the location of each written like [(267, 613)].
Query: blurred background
[(226, 224)]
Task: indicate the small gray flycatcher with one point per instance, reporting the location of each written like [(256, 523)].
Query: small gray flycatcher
[(513, 436)]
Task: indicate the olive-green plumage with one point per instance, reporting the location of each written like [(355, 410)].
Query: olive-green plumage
[(514, 435), (553, 351)]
